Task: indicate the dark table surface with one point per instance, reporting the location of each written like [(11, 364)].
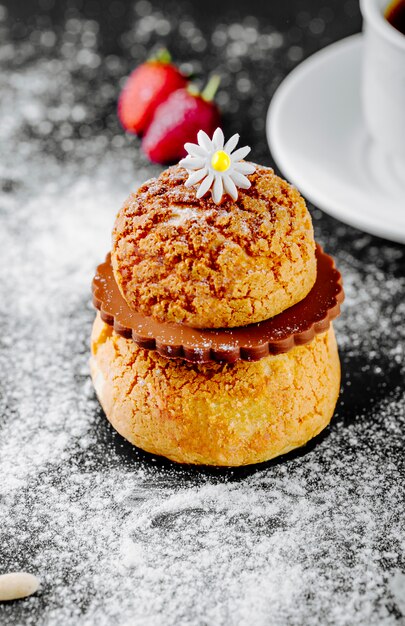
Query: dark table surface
[(115, 535)]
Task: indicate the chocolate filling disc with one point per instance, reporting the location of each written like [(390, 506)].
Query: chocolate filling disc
[(295, 326)]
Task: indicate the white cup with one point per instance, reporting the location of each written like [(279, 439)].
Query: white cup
[(383, 88)]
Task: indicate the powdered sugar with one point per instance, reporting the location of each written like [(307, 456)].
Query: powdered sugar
[(116, 536), (180, 215), (397, 587)]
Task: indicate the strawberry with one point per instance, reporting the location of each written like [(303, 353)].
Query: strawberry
[(178, 120), (148, 86)]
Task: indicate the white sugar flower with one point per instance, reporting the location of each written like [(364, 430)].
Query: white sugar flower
[(216, 166)]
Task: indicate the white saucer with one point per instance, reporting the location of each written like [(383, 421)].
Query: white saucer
[(317, 136)]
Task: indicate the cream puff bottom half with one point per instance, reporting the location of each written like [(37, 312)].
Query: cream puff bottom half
[(215, 414)]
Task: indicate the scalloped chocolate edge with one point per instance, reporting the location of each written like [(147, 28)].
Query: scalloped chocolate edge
[(208, 353)]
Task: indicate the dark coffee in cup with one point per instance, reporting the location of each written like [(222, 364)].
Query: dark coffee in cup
[(395, 14)]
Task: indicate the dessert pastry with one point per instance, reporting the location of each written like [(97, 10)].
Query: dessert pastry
[(213, 413), (213, 343), (182, 259)]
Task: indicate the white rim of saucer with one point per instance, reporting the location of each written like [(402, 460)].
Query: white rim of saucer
[(373, 12), (331, 206)]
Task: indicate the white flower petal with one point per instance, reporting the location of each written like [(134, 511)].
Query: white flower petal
[(195, 150), (218, 139), (231, 143), (217, 190), (230, 187), (240, 153), (201, 173), (204, 140), (192, 163), (244, 168), (240, 180), (195, 178), (205, 185)]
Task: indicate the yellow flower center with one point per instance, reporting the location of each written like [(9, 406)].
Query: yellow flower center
[(220, 161)]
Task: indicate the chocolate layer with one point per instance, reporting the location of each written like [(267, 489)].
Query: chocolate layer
[(295, 326)]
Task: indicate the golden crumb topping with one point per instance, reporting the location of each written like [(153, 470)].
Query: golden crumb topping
[(183, 259)]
